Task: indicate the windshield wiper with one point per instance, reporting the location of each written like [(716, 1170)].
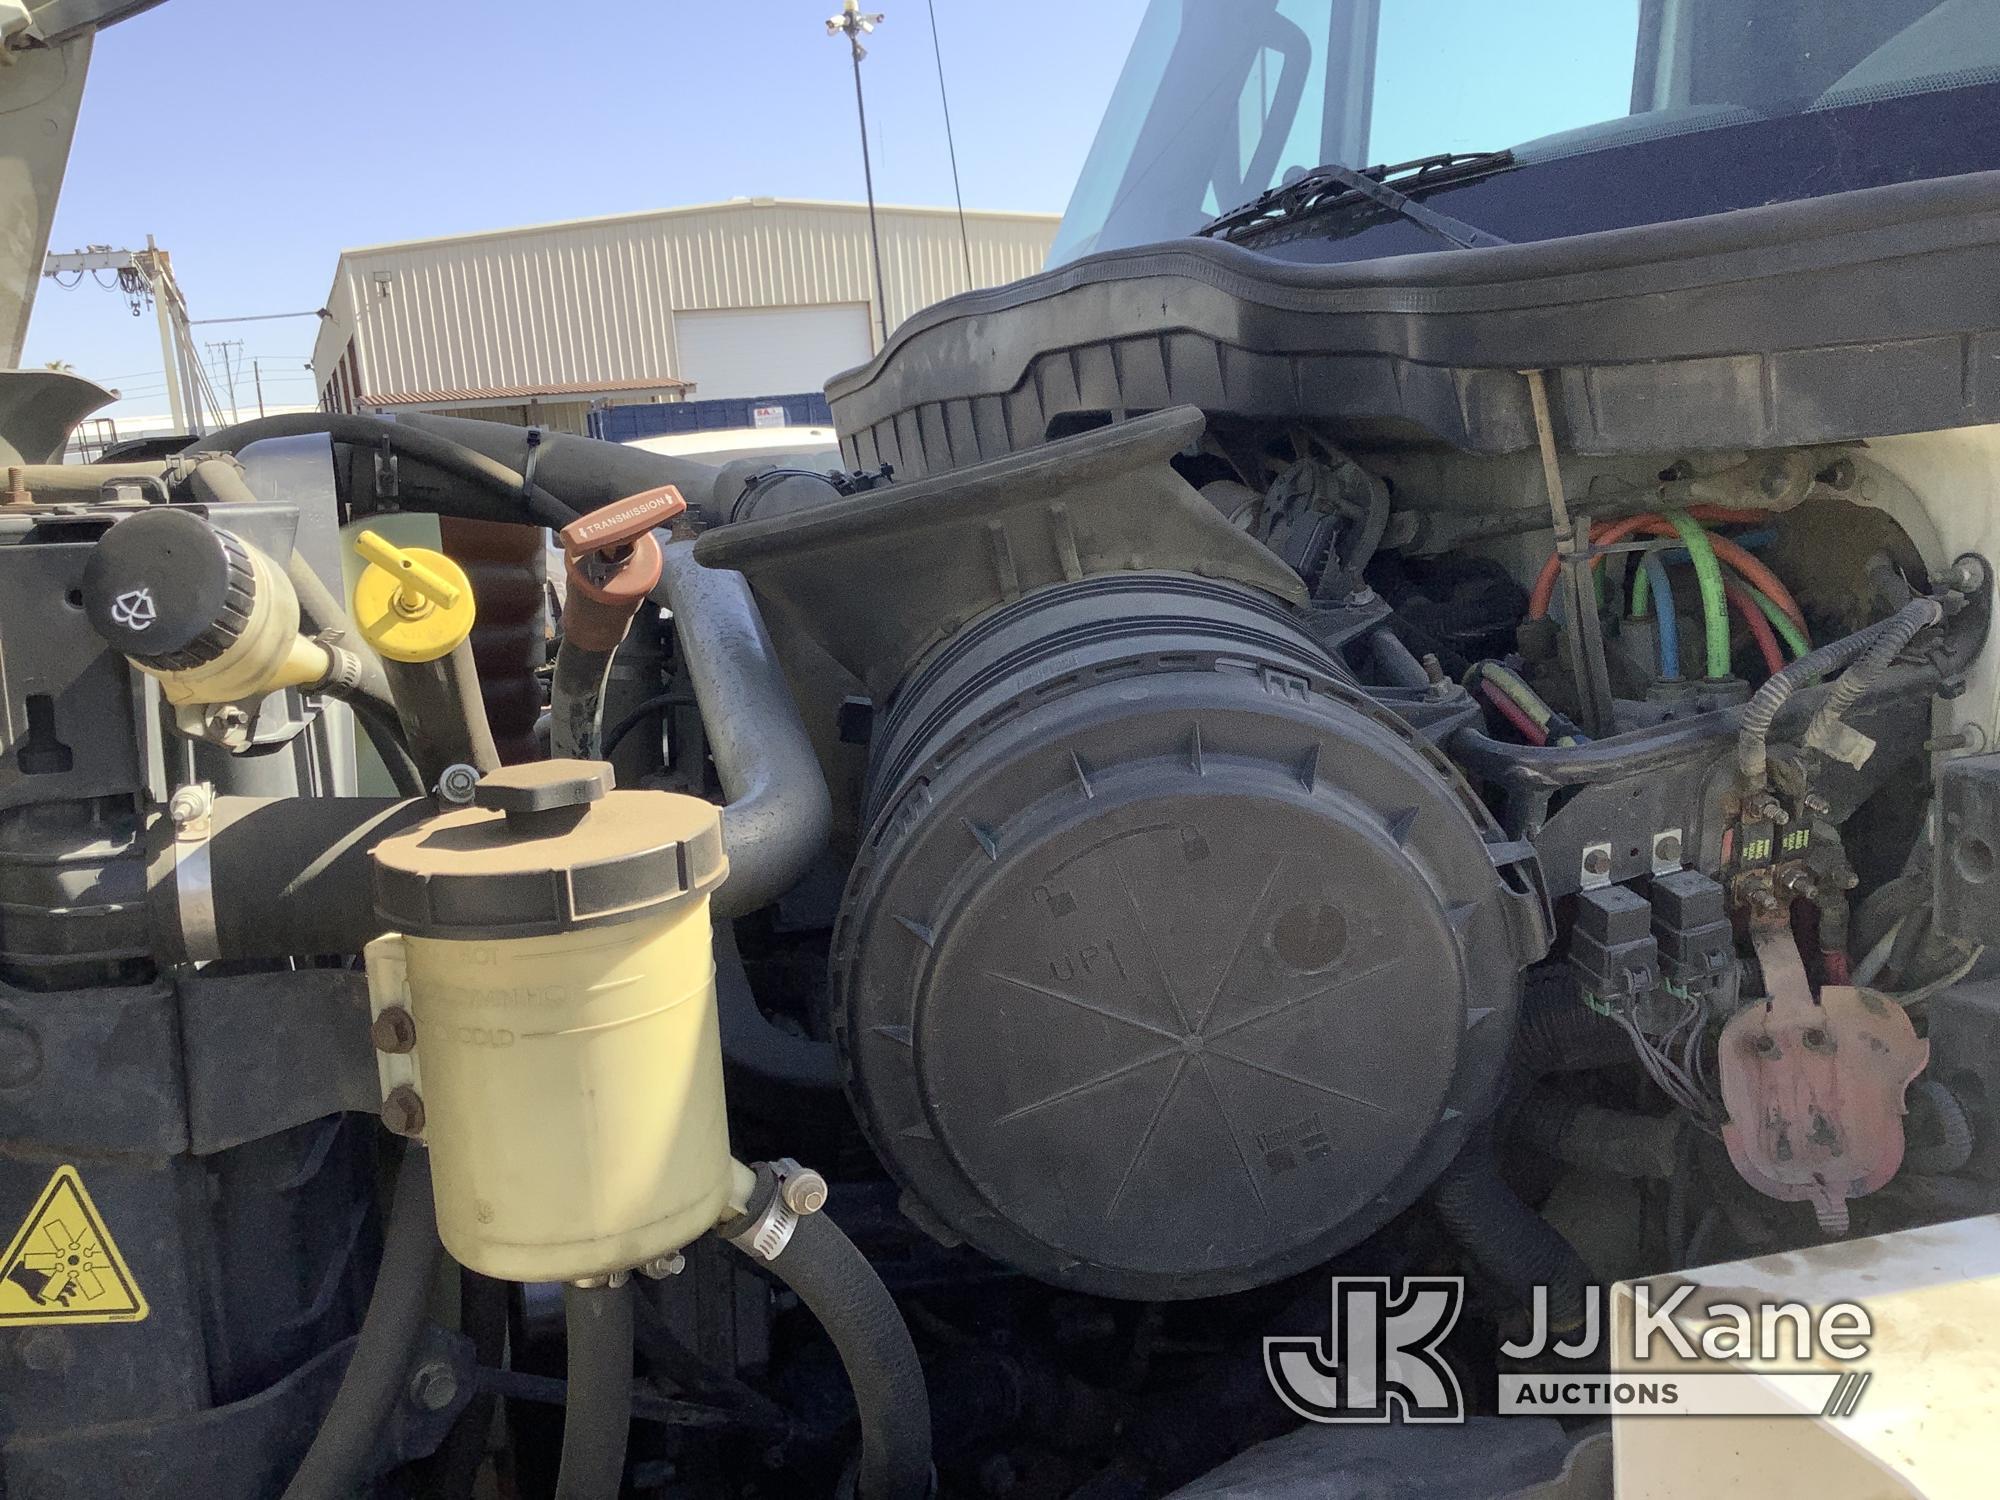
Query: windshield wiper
[(1332, 187)]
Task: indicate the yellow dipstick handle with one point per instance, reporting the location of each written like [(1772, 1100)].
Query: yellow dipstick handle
[(412, 604), (423, 588)]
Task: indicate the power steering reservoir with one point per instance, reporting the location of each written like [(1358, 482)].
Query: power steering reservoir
[(545, 1019)]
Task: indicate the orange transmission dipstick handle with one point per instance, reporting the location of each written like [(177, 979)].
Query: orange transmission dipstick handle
[(612, 561)]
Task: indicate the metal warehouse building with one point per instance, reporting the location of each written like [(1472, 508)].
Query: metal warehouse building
[(756, 297)]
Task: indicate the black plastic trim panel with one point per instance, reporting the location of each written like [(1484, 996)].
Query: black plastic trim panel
[(1825, 320)]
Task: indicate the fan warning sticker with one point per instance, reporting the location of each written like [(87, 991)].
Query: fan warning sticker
[(62, 1267)]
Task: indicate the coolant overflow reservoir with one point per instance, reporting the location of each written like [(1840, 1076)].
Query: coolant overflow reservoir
[(545, 1017)]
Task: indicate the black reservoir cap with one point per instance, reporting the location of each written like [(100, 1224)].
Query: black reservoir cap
[(167, 589), (548, 847)]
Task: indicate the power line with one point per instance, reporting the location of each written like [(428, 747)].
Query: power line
[(964, 237)]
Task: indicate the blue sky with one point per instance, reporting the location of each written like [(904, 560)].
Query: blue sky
[(257, 138)]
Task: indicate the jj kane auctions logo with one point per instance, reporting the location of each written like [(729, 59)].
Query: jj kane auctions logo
[(1381, 1359)]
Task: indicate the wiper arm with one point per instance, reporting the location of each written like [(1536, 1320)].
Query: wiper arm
[(1334, 186)]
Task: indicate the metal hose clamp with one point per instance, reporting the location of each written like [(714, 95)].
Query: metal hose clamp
[(785, 1192)]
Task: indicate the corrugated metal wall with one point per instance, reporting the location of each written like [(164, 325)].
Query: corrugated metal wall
[(594, 300)]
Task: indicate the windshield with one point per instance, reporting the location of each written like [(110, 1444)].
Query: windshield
[(1222, 99)]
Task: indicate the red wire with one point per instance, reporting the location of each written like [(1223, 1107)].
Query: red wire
[(1760, 628), (1514, 714)]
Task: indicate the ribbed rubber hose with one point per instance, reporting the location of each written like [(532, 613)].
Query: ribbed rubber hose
[(1934, 1106), (509, 498), (597, 1406), (1898, 631), (835, 1281), (343, 1455), (1509, 1241), (1752, 737)]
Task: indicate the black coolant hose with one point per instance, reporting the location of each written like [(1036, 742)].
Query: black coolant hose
[(835, 1282), (588, 473), (779, 812), (443, 715), (342, 1457), (1508, 1240), (506, 495), (1754, 730), (597, 1406)]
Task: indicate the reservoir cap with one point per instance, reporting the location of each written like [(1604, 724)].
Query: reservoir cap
[(548, 847), (167, 589)]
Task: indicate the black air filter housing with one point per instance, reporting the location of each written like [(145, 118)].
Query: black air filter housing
[(1171, 965)]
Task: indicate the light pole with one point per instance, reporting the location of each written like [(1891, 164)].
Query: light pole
[(851, 23)]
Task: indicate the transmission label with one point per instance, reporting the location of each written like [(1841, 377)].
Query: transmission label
[(62, 1265)]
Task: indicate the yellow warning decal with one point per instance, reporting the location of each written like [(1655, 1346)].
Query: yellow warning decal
[(62, 1267)]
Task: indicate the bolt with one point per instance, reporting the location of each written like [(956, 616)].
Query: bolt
[(1763, 900), (1966, 576), (1597, 861), (1817, 804), (456, 783), (603, 1281), (227, 719), (662, 1266), (804, 1191), (403, 1110), (394, 1030), (1667, 847), (1816, 1040), (1800, 882), (434, 1385), (1765, 1045), (190, 804)]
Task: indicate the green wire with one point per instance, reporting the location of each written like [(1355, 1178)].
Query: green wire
[(1795, 639), (1714, 604)]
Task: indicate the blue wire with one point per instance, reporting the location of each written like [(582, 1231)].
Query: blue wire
[(1665, 613)]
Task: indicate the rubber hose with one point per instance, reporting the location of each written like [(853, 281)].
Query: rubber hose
[(835, 1281), (1948, 1124), (1619, 1143), (343, 1455), (322, 614), (1708, 575), (1754, 730), (597, 1407), (1897, 632), (576, 701), (384, 728), (508, 496), (1509, 1241), (779, 812), (1396, 663), (442, 713), (588, 473), (293, 874), (751, 1042), (1666, 610)]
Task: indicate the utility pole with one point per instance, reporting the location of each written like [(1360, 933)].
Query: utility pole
[(851, 23), (257, 374), (223, 346)]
